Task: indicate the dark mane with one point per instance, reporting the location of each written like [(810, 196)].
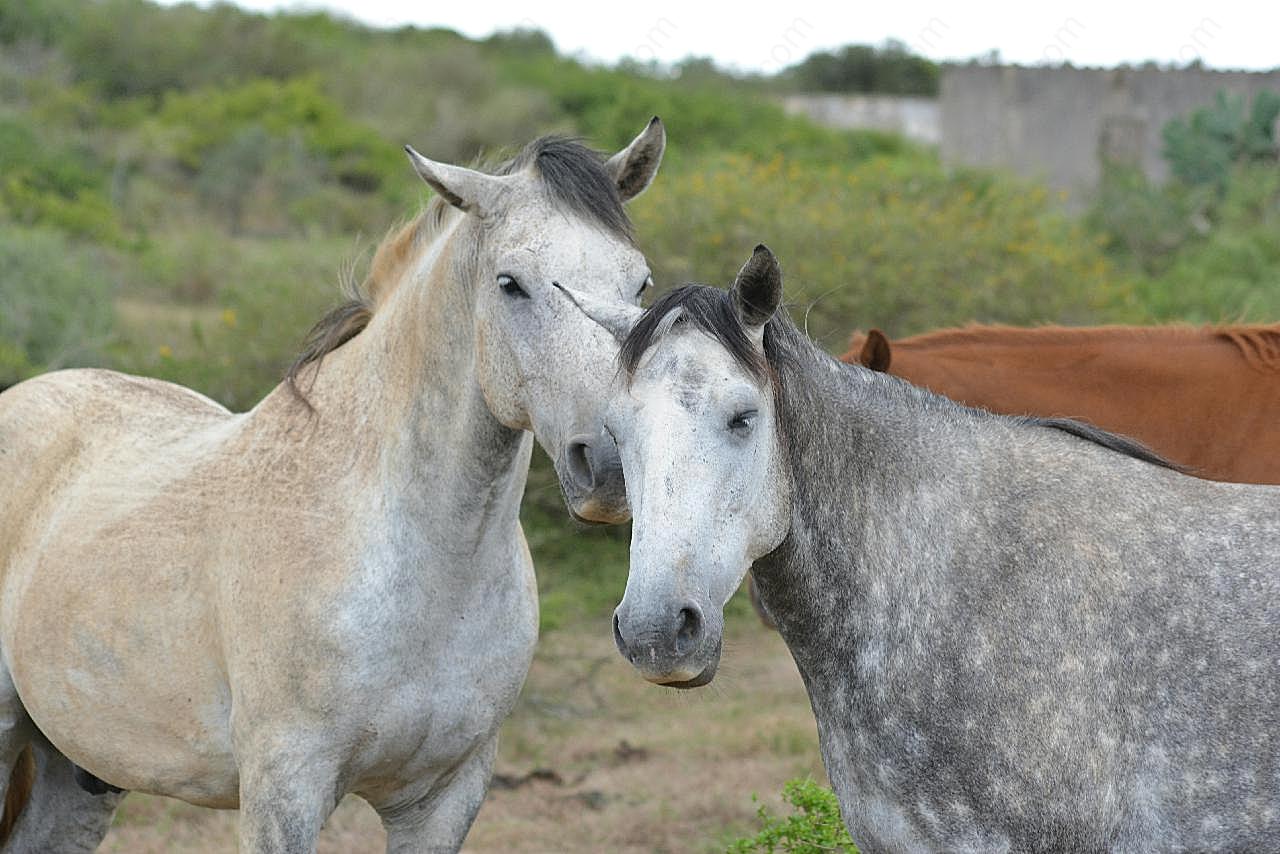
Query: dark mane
[(1114, 441), (710, 310), (575, 179), (713, 311)]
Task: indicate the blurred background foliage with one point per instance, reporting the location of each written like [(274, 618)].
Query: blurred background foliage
[(182, 187)]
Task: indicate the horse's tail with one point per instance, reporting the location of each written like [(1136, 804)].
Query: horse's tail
[(21, 780)]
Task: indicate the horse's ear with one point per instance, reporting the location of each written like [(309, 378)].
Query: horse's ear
[(876, 353), (465, 189), (616, 317), (758, 289), (633, 168)]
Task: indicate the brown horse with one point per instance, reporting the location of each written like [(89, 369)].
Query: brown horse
[(1207, 397)]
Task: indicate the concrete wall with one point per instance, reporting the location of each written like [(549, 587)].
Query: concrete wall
[(913, 117), (1058, 124)]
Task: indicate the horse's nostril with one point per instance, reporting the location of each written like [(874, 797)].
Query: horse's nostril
[(617, 637), (688, 630), (578, 457)]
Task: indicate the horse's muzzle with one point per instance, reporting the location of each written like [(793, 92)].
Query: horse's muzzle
[(590, 471), (675, 647)]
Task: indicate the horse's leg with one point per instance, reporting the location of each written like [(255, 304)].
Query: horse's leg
[(440, 821), (17, 769), (286, 793), (60, 815)]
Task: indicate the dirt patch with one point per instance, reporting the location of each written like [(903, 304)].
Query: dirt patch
[(593, 759)]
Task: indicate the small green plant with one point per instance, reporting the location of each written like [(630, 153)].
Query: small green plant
[(814, 827)]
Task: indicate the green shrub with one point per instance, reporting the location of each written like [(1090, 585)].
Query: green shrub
[(609, 105), (254, 300), (1202, 148), (201, 122), (55, 303), (45, 183), (1144, 223), (891, 68), (1231, 272), (42, 23), (134, 48), (1207, 242), (814, 828), (900, 243)]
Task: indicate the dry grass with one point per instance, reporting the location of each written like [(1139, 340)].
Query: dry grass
[(593, 759)]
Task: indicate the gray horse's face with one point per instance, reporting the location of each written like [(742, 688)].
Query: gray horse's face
[(543, 365), (706, 479)]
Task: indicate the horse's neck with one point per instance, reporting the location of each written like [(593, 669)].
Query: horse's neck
[(399, 409), (868, 476)]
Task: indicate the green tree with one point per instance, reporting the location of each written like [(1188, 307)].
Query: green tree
[(890, 69), (1202, 148)]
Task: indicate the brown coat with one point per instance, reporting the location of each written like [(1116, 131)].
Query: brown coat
[(1205, 397)]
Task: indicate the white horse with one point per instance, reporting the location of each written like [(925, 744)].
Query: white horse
[(330, 593)]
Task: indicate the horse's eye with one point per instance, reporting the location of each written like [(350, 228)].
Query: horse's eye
[(510, 286), (743, 422), (645, 285)]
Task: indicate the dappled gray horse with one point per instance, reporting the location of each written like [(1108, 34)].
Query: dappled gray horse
[(330, 593), (1017, 634)]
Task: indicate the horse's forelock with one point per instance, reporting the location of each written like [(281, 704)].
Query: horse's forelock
[(710, 310), (575, 179)]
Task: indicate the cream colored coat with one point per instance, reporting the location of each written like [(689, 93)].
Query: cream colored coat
[(272, 609)]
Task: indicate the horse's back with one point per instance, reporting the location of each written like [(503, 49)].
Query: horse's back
[(57, 423)]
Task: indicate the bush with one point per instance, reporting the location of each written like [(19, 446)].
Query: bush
[(134, 48), (55, 303), (890, 69), (50, 184), (1145, 223), (815, 827), (1231, 273), (206, 121), (1202, 148), (903, 243), (1207, 241), (256, 300), (609, 106)]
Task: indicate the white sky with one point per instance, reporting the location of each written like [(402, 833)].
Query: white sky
[(1222, 34)]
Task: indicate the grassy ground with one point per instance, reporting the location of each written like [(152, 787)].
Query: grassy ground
[(593, 759)]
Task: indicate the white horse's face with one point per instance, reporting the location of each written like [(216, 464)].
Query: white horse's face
[(542, 364), (698, 435)]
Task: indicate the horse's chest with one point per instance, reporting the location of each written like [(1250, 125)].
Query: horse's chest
[(442, 674)]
